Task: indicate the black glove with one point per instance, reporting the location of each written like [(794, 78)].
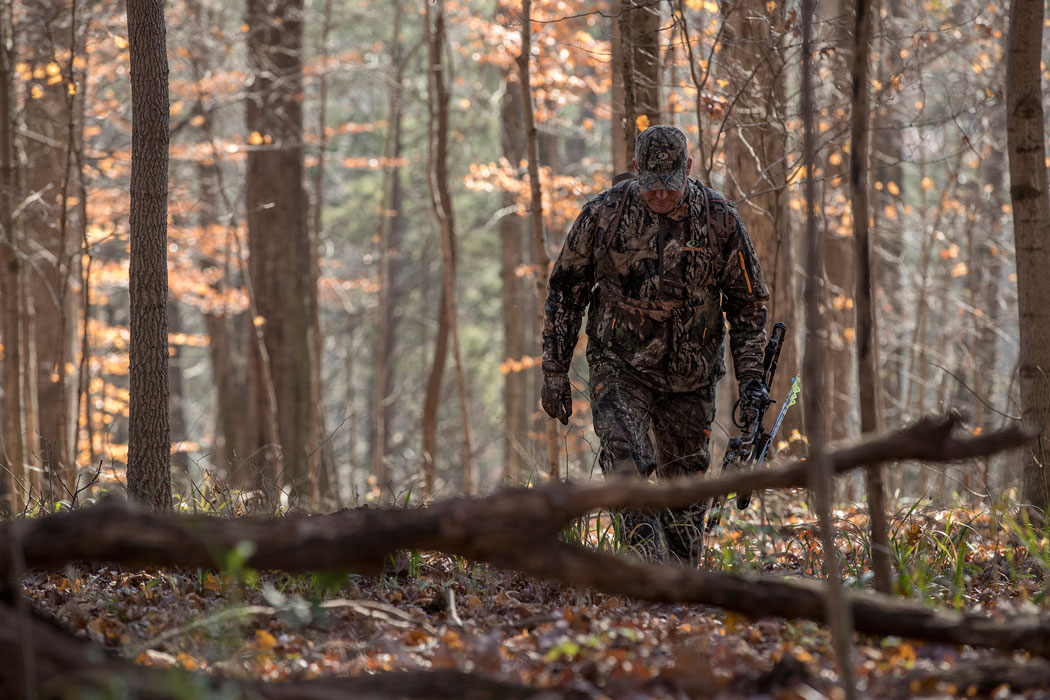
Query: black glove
[(556, 397), (754, 396)]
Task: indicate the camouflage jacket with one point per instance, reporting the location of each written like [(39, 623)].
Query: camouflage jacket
[(657, 288)]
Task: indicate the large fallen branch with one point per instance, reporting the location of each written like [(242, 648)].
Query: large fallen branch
[(759, 596), (518, 530), (477, 528)]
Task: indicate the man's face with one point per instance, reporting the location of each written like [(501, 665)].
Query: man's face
[(663, 201)]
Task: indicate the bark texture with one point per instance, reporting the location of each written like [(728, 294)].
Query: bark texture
[(149, 444), (1026, 143), (280, 264), (639, 37), (756, 165)]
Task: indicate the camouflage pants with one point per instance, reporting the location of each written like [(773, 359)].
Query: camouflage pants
[(625, 412)]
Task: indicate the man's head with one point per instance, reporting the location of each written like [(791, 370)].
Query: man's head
[(662, 162)]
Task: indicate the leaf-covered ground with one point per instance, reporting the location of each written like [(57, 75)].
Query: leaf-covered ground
[(430, 612)]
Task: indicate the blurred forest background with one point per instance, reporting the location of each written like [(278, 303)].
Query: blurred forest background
[(354, 267)]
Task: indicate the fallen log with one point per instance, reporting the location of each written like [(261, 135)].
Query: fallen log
[(518, 530), (360, 539), (764, 596)]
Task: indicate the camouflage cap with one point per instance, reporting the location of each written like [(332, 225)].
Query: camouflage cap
[(661, 155)]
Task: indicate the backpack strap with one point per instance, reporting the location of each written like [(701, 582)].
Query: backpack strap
[(717, 210), (609, 221)]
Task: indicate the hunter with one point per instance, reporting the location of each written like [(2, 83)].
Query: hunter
[(659, 260)]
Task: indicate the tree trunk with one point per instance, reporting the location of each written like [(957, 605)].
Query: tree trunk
[(1026, 143), (180, 459), (839, 337), (864, 305), (888, 237), (389, 234), (432, 400), (539, 240), (621, 159), (639, 26), (441, 201), (281, 259), (324, 478), (820, 469), (756, 172), (838, 264), (514, 296), (49, 27), (149, 444), (14, 481)]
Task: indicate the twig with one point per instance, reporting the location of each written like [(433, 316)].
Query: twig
[(450, 597)]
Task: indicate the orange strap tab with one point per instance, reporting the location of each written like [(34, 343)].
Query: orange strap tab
[(743, 267)]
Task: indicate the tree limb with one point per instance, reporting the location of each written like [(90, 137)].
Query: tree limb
[(519, 529), (360, 539)]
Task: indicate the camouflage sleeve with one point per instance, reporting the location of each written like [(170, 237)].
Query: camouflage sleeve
[(746, 295), (569, 290)]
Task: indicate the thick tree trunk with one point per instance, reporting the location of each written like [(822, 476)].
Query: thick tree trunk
[(1026, 142), (149, 444), (756, 171), (281, 259)]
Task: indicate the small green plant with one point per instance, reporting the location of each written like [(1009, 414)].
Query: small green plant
[(1029, 559), (326, 583), (933, 561)]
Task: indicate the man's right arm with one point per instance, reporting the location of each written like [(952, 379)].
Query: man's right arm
[(569, 290)]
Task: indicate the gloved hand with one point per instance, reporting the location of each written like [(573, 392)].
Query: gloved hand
[(753, 397), (556, 397)]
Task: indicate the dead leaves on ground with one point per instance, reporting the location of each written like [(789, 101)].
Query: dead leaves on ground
[(433, 612)]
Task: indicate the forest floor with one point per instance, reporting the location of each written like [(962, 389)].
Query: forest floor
[(430, 612)]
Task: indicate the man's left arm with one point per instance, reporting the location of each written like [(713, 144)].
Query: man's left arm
[(746, 295)]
